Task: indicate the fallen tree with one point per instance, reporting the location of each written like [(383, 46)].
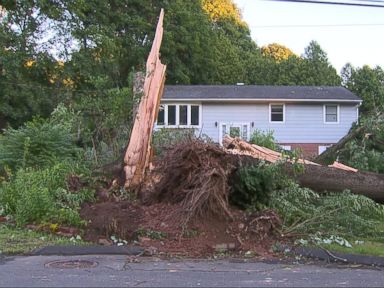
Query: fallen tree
[(316, 177), (323, 179)]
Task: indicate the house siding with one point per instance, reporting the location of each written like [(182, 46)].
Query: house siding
[(303, 123)]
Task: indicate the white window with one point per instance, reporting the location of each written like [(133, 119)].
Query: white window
[(331, 113), (179, 115), (322, 148), (276, 113), (286, 147)]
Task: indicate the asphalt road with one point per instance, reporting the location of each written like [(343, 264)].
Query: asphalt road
[(117, 270)]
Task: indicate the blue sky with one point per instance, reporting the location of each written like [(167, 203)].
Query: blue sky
[(357, 44)]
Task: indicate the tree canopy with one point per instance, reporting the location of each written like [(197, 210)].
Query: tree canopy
[(77, 51)]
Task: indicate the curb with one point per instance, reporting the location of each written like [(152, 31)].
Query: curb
[(330, 256), (87, 250)]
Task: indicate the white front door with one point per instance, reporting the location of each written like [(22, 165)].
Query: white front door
[(240, 130)]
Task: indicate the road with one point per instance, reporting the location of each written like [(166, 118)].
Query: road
[(116, 270)]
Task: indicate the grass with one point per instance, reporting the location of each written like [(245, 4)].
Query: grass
[(367, 248), (22, 241)]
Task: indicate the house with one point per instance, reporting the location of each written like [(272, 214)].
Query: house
[(309, 117)]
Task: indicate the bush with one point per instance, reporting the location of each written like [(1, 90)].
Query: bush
[(38, 144), (265, 139), (342, 214), (39, 195), (253, 185)]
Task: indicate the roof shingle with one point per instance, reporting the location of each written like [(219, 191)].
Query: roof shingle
[(257, 92)]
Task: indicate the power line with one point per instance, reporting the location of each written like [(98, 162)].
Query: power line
[(315, 25), (333, 3)]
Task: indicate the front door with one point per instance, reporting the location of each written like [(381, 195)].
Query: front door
[(240, 130)]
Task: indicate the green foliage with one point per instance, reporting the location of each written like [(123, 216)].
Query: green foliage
[(366, 150), (368, 83), (105, 121), (358, 155), (34, 195), (253, 185), (167, 137), (264, 138), (343, 214), (311, 69), (38, 143)]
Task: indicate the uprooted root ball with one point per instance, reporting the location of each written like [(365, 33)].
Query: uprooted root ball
[(195, 174)]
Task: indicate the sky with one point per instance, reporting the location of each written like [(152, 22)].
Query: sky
[(358, 41)]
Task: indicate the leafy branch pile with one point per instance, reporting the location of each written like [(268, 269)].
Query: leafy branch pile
[(343, 214)]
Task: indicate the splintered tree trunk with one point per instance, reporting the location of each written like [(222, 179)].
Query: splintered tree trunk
[(137, 156), (316, 177), (329, 155)]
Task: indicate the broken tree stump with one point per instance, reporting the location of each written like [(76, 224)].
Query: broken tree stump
[(138, 153)]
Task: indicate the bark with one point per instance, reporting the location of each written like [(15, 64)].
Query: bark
[(138, 154), (316, 177), (323, 179)]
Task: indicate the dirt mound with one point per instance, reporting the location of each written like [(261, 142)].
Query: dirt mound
[(186, 211), (156, 228), (111, 218)]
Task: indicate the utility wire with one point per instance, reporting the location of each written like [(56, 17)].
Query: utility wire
[(332, 3), (315, 25)]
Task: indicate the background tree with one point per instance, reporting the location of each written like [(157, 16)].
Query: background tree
[(316, 68), (277, 51), (368, 83)]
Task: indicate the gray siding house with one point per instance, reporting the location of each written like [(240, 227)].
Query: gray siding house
[(309, 117)]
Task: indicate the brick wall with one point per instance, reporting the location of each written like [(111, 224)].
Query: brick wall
[(309, 150)]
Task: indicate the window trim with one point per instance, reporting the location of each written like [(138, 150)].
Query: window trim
[(325, 116), (270, 113), (189, 115)]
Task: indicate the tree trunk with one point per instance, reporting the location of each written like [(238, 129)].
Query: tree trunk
[(316, 177), (323, 179), (138, 154)]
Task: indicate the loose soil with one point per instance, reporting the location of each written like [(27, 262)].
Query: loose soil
[(159, 228), (183, 209)]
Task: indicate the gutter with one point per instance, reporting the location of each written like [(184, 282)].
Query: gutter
[(259, 100)]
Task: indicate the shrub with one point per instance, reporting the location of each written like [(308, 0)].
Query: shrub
[(38, 195), (343, 214), (39, 143), (264, 138), (253, 185)]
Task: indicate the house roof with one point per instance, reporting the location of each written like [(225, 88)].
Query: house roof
[(234, 93)]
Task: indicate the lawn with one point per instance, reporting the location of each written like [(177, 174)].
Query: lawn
[(366, 248), (22, 241)]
